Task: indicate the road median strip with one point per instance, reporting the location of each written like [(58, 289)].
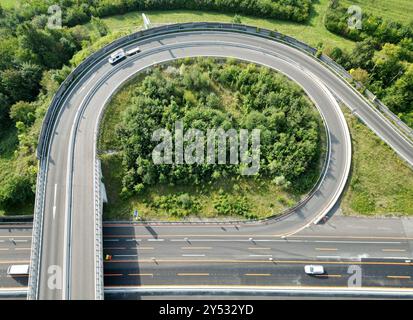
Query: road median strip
[(263, 261), (399, 277)]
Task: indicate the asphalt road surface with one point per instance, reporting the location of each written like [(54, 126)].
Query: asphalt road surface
[(15, 245), (250, 272), (232, 256)]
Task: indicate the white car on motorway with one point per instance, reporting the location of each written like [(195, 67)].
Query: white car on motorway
[(18, 270), (117, 56), (313, 269)]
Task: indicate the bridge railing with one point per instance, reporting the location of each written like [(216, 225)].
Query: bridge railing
[(57, 104), (35, 255), (99, 294)]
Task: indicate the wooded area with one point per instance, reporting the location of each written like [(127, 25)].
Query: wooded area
[(382, 59), (206, 94)]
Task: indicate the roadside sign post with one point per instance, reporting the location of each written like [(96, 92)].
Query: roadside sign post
[(146, 21)]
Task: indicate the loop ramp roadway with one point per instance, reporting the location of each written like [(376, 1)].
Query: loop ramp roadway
[(68, 237)]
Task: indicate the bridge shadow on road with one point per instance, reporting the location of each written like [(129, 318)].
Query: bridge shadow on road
[(121, 257)]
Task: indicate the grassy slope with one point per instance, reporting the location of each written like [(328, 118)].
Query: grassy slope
[(397, 10), (8, 4), (312, 33), (381, 183)]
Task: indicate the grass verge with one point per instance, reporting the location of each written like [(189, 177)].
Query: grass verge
[(395, 10), (381, 184), (311, 32)]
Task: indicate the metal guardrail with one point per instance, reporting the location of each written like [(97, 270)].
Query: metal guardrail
[(99, 293), (16, 219), (13, 293), (56, 106), (254, 291), (404, 128), (384, 109), (35, 255)]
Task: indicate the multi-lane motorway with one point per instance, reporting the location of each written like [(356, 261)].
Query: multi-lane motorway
[(69, 205), (231, 256)]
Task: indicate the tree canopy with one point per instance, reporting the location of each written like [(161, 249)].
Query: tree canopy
[(209, 93), (381, 60)]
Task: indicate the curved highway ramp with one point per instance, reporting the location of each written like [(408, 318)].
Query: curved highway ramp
[(67, 240)]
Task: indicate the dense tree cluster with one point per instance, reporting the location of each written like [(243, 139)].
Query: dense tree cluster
[(382, 30), (382, 60), (28, 49), (207, 94), (34, 61), (80, 11)]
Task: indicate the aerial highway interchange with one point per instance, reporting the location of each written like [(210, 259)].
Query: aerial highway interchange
[(270, 253)]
